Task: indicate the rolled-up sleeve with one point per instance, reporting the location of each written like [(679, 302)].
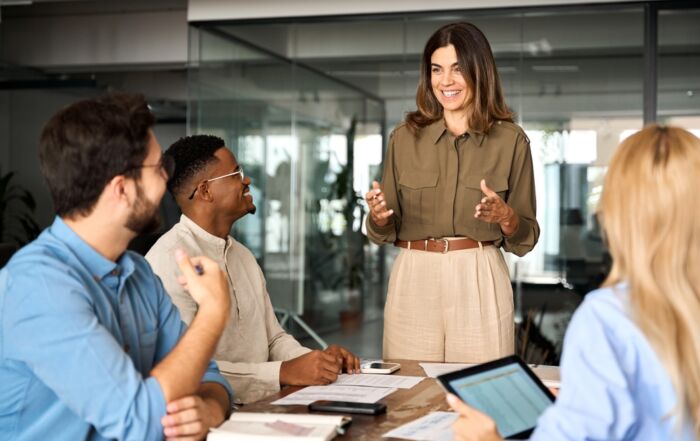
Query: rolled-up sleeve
[(255, 380), (521, 197), (56, 333), (171, 329), (387, 233)]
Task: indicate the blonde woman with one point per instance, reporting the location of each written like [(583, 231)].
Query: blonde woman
[(631, 362)]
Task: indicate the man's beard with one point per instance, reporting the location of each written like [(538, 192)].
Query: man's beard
[(145, 217)]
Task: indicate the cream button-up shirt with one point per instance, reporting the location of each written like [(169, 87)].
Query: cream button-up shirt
[(253, 345)]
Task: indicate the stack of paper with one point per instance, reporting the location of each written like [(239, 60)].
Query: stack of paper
[(248, 426), (433, 370), (378, 380), (357, 388)]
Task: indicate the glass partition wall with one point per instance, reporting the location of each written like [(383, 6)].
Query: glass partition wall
[(306, 103), (310, 144), (679, 68)]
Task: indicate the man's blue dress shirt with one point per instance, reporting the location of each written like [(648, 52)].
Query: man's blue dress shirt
[(613, 385), (79, 335)]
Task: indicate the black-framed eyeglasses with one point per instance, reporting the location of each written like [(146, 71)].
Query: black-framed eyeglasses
[(166, 165), (239, 171)]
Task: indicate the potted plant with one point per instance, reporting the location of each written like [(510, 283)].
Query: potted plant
[(17, 224), (353, 257)]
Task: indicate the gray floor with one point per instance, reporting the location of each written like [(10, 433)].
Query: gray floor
[(366, 341)]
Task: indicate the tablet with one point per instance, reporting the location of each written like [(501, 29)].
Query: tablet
[(506, 390)]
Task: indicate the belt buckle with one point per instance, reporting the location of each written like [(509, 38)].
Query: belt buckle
[(447, 246)]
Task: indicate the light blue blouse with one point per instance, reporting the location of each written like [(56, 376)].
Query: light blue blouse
[(614, 386)]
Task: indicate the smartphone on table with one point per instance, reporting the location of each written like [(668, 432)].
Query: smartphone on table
[(380, 368), (348, 407)]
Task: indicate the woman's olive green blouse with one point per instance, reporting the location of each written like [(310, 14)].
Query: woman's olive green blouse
[(431, 181)]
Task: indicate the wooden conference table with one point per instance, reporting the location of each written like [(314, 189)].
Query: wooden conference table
[(403, 406)]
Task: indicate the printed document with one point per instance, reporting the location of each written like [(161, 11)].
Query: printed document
[(378, 380), (434, 369), (435, 426), (244, 426), (356, 394), (548, 374)]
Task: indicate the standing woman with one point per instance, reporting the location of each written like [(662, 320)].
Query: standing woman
[(457, 186)]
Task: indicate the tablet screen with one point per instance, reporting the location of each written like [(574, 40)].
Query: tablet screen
[(507, 394)]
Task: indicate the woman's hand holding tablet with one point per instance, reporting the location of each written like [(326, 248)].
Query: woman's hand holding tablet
[(505, 390)]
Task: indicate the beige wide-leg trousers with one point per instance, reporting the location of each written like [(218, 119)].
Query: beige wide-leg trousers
[(452, 307)]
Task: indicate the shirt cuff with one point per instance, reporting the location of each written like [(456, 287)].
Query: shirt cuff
[(380, 234), (520, 233), (216, 377), (270, 372), (157, 408)]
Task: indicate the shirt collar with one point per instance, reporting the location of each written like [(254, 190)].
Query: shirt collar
[(437, 129), (203, 235), (97, 264)]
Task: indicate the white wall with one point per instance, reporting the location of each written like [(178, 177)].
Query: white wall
[(202, 10)]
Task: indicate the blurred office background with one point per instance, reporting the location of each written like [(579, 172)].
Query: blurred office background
[(306, 94)]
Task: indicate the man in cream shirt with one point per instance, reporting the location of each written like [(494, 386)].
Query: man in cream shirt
[(255, 353)]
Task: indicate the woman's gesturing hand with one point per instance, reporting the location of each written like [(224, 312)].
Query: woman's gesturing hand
[(377, 205), (493, 209)]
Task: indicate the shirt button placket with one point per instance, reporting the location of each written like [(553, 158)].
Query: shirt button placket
[(453, 174)]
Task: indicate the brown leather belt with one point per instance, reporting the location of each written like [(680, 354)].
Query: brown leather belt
[(441, 245)]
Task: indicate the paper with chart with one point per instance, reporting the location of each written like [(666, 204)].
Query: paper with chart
[(378, 380), (356, 394), (435, 426)]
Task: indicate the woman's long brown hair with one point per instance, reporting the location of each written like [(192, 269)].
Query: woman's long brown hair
[(485, 104)]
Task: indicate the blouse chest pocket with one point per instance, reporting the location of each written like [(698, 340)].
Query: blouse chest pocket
[(417, 193), (473, 194)]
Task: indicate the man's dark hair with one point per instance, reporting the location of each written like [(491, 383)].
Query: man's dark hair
[(191, 154), (88, 143)]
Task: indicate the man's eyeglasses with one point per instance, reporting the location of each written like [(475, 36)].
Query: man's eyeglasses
[(166, 165), (239, 171)]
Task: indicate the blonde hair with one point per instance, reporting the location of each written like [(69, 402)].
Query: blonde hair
[(651, 216)]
